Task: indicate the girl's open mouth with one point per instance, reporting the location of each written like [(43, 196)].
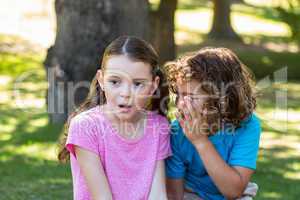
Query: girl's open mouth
[(125, 108)]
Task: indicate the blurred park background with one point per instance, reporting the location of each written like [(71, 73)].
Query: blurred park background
[(264, 33)]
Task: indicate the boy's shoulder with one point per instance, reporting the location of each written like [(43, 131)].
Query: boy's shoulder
[(251, 127), (251, 121), (176, 131)]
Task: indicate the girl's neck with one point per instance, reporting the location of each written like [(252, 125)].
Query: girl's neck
[(129, 129)]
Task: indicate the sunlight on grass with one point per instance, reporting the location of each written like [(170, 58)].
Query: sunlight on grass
[(267, 3), (194, 20), (14, 65), (272, 195), (294, 173), (242, 23), (252, 25), (43, 151), (271, 139), (7, 136), (36, 124), (40, 122), (7, 128), (30, 19), (4, 80), (29, 103)]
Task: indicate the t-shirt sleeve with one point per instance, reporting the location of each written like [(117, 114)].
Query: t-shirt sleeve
[(82, 132), (175, 167), (164, 148), (245, 148)]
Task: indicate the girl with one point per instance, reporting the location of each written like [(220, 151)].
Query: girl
[(215, 138), (119, 137)]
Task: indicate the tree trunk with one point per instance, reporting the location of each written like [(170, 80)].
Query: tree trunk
[(221, 28), (162, 30), (238, 1), (84, 29)]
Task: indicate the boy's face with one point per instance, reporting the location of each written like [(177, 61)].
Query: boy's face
[(127, 86), (192, 90)]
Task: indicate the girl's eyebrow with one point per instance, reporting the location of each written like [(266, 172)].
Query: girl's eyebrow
[(113, 76), (140, 79), (136, 79)]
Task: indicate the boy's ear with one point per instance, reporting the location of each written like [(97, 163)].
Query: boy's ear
[(99, 76)]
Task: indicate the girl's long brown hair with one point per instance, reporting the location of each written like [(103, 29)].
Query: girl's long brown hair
[(222, 76), (137, 50)]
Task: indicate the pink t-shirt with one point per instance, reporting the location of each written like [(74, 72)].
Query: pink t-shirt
[(129, 165)]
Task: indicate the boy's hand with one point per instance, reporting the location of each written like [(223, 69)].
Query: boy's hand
[(191, 119)]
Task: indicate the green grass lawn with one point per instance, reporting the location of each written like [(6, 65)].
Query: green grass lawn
[(28, 143), (29, 169)]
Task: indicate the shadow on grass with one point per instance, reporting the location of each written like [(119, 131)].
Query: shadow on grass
[(191, 4), (24, 177), (281, 134), (31, 175), (25, 131), (274, 175)]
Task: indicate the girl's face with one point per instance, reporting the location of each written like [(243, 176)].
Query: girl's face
[(128, 85)]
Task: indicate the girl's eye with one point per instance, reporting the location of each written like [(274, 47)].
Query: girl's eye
[(114, 82), (138, 84)]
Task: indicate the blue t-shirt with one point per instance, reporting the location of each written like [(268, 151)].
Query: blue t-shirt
[(238, 147)]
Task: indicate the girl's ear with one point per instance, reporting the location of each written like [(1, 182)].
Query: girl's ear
[(100, 78), (155, 84)]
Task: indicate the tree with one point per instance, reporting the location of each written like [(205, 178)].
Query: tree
[(84, 29), (163, 28), (238, 1), (221, 27)]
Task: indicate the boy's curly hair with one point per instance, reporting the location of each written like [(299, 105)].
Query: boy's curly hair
[(228, 83)]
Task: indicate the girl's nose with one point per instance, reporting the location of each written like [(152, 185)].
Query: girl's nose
[(125, 91)]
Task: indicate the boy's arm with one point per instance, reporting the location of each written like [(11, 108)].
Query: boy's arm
[(93, 172), (175, 189), (221, 173), (158, 188)]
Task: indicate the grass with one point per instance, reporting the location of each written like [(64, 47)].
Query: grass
[(279, 161), (29, 169), (28, 142)]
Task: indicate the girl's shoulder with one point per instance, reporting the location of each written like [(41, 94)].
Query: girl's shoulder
[(158, 123), (158, 118), (90, 118)]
